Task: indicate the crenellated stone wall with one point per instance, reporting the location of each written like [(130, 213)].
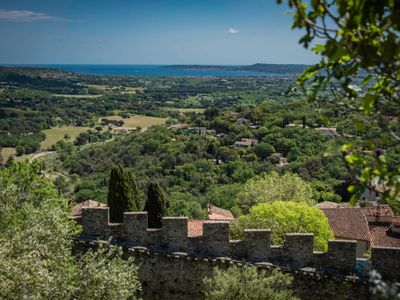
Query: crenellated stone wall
[(297, 251), (154, 249)]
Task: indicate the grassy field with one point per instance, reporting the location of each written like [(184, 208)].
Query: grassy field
[(101, 87), (24, 157), (56, 134), (7, 152), (134, 121)]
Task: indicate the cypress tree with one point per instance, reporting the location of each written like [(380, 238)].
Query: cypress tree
[(156, 204), (121, 194)]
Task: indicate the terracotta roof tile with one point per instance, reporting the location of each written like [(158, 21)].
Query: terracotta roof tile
[(381, 236), (381, 210), (76, 211), (348, 222), (195, 227), (216, 213), (327, 204)]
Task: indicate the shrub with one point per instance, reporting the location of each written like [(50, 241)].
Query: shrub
[(285, 217), (248, 283)]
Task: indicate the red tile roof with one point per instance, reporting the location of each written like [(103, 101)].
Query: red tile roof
[(378, 210), (216, 213), (327, 204), (381, 236), (348, 222), (195, 227), (76, 211)]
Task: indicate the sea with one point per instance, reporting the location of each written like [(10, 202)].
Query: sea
[(147, 70)]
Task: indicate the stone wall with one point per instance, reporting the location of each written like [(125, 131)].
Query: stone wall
[(178, 276), (296, 253)]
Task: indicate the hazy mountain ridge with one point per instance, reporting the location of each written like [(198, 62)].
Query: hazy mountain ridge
[(258, 67)]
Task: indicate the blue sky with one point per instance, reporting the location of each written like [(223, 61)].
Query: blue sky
[(148, 32)]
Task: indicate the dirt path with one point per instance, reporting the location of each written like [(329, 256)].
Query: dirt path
[(41, 154)]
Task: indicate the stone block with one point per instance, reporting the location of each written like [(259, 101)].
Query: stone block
[(175, 233), (386, 261), (258, 244), (135, 227), (95, 221)]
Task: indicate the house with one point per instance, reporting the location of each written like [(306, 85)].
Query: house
[(378, 213), (282, 161), (349, 223), (242, 121), (195, 227), (385, 235), (198, 130), (125, 130), (292, 125), (246, 143), (374, 193), (369, 195), (76, 211), (329, 204), (374, 225), (327, 131), (384, 226), (179, 126), (220, 214)]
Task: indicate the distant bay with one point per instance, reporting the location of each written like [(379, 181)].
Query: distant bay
[(154, 70)]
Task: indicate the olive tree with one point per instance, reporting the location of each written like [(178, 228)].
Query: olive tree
[(36, 243), (248, 283)]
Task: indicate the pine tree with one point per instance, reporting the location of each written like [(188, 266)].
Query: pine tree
[(156, 204), (122, 191)]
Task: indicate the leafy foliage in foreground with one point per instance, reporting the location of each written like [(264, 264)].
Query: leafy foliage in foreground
[(383, 289), (248, 283), (286, 217), (360, 65), (36, 260)]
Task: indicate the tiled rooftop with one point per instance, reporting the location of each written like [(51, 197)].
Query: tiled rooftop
[(381, 236), (348, 222), (195, 227)]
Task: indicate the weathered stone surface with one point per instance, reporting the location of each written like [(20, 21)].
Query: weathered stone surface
[(386, 261), (297, 251), (179, 276)]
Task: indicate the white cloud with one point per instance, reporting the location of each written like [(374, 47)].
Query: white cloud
[(232, 30), (27, 16)]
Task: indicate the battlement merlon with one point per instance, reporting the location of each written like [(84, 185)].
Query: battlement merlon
[(297, 251)]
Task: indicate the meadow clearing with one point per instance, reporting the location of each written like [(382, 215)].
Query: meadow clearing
[(56, 134), (137, 121), (7, 152)]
